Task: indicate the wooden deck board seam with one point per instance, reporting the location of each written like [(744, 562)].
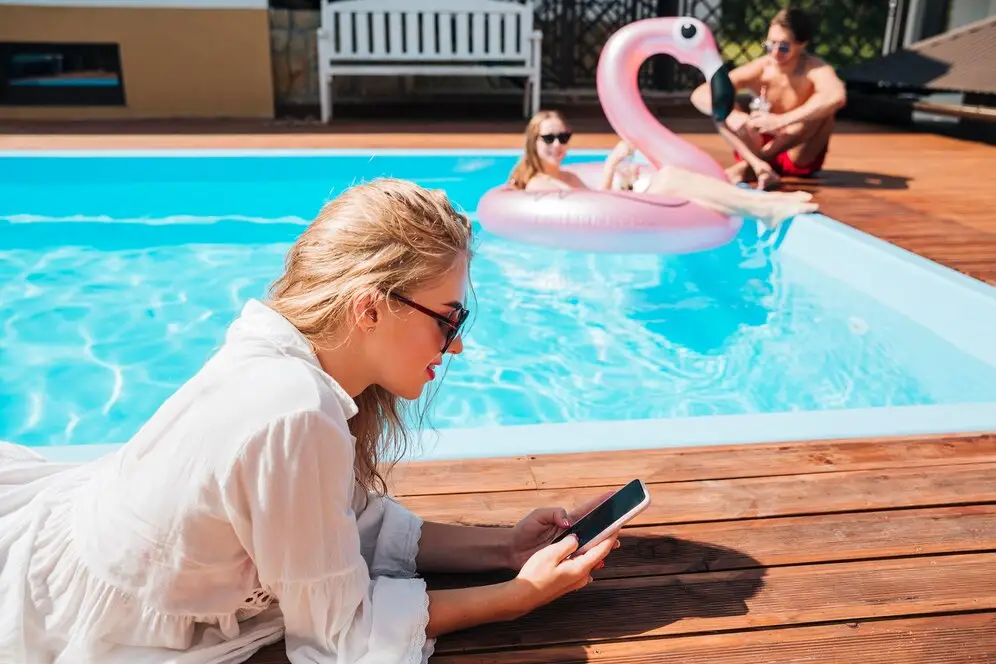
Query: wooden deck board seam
[(716, 478), (809, 563), (718, 632), (798, 515)]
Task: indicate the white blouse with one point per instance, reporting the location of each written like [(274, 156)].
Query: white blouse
[(230, 519)]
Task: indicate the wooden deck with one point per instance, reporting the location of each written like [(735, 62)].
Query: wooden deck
[(844, 551)]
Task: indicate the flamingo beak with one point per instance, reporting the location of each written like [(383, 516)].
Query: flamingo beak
[(723, 95)]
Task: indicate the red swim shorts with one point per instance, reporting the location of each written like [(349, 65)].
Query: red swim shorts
[(783, 164)]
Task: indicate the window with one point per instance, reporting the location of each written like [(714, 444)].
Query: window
[(33, 74)]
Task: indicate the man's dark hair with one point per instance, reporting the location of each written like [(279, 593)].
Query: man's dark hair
[(796, 21)]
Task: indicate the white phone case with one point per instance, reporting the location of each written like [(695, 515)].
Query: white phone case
[(618, 523)]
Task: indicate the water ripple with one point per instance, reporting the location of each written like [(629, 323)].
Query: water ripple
[(95, 338)]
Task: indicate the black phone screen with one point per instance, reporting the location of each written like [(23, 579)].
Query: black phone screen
[(616, 506)]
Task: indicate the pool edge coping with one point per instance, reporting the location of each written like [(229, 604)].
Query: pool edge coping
[(454, 444)]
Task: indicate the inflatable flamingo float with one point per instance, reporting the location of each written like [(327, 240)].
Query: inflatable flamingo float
[(625, 221)]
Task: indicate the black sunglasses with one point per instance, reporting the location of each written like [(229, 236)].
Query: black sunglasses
[(450, 325), (783, 47), (563, 137)]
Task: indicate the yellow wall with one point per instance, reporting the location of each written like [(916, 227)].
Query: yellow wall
[(175, 62)]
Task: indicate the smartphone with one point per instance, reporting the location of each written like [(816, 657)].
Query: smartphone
[(609, 516)]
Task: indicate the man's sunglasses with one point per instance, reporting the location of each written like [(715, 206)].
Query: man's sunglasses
[(563, 137), (783, 47), (449, 325)]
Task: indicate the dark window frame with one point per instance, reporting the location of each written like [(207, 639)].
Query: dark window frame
[(46, 89)]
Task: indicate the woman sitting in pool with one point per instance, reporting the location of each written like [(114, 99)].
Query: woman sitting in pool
[(547, 135), (251, 504)]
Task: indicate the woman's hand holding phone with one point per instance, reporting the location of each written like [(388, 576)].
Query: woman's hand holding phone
[(551, 572), (541, 526)]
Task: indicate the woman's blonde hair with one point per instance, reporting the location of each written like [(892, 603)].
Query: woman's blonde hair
[(384, 236), (530, 164)]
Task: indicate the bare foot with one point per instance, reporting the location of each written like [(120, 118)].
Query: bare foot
[(787, 197), (782, 211)]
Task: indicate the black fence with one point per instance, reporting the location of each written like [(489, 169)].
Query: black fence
[(848, 31), (574, 31)]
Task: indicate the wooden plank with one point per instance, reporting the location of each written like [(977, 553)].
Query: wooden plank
[(511, 34), (465, 475), (745, 498), (689, 463), (347, 24), (732, 461), (960, 639), (430, 47), (395, 33), (447, 45), (478, 45), (745, 544), (802, 540), (364, 43), (494, 34), (378, 34), (462, 35), (413, 34), (745, 599)]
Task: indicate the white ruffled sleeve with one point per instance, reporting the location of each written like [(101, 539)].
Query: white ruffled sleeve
[(289, 497)]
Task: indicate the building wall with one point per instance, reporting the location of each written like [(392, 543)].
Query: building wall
[(176, 61), (964, 12), (929, 18)]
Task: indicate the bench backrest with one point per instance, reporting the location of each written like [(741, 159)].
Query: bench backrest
[(427, 30)]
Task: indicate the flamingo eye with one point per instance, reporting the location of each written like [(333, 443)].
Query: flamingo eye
[(688, 32)]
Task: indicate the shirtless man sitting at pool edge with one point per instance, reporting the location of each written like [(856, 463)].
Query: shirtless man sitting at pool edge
[(802, 93)]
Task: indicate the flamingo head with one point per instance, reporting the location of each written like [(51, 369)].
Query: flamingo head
[(689, 41)]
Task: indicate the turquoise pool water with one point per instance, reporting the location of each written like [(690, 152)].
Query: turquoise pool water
[(119, 276)]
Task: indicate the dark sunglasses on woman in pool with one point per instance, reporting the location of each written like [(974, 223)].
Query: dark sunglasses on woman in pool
[(450, 325), (563, 137), (783, 47)]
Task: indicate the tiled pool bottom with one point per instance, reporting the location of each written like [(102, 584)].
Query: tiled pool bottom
[(956, 308)]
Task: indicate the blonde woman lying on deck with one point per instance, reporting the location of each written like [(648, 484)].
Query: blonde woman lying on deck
[(257, 481)]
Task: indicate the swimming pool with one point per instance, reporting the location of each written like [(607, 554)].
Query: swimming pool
[(120, 271)]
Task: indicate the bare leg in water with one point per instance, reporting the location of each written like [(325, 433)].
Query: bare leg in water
[(771, 208)]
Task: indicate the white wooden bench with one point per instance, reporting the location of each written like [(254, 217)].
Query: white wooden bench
[(429, 37)]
